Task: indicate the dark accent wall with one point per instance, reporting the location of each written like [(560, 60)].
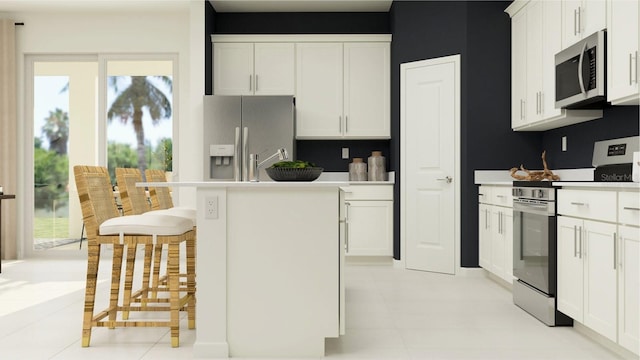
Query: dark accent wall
[(480, 32), (302, 23), (328, 153), (617, 122)]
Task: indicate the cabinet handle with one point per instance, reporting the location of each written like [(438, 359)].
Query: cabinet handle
[(346, 228), (340, 124), (575, 241), (250, 82), (256, 82), (631, 208), (636, 57), (346, 124), (578, 204), (521, 109), (579, 19), (580, 252), (486, 219), (575, 22), (615, 251), (630, 69)]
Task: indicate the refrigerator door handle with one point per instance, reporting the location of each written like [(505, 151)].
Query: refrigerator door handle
[(236, 156), (245, 153)]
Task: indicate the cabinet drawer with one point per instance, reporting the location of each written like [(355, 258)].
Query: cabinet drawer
[(368, 192), (597, 205), (629, 208), (484, 194), (501, 196)]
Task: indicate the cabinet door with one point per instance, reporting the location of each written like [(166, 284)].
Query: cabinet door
[(629, 288), (570, 267), (274, 69), (484, 236), (582, 18), (507, 231), (600, 288), (498, 250), (366, 90), (518, 68), (370, 228), (593, 16), (622, 51), (534, 61), (232, 68), (319, 89), (551, 45), (571, 10)]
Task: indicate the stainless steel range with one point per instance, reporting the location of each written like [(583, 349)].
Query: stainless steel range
[(534, 251)]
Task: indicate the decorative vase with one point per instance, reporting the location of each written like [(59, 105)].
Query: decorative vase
[(377, 171), (357, 170)]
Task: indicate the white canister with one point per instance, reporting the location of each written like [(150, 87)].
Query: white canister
[(377, 168), (357, 170), (635, 167)]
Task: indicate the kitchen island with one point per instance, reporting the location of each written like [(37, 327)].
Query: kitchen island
[(269, 261)]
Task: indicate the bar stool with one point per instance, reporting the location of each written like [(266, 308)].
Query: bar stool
[(104, 226)]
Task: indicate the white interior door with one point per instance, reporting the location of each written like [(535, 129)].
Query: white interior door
[(429, 117)]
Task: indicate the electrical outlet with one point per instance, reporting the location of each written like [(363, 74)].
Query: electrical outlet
[(564, 143), (211, 207), (345, 153)]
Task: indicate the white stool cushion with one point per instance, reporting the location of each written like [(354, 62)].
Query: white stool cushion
[(158, 224), (176, 211)]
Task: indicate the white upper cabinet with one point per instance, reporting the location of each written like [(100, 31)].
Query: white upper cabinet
[(274, 68), (366, 90), (343, 90), (232, 69), (536, 36), (581, 19), (319, 85), (622, 52), (253, 69)]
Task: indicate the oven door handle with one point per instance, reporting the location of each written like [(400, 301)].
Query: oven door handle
[(531, 208)]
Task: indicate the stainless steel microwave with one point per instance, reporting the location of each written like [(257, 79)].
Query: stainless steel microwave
[(580, 73)]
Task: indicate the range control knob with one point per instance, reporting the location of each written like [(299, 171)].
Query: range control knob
[(540, 194)]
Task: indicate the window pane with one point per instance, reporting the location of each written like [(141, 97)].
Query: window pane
[(139, 115)]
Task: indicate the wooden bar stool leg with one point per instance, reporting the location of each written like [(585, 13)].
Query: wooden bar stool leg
[(116, 276), (157, 260), (146, 274), (173, 278), (128, 279), (191, 280), (93, 258)]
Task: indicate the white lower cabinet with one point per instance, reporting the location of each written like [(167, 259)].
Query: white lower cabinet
[(599, 263), (629, 288), (587, 273), (495, 233), (369, 220)]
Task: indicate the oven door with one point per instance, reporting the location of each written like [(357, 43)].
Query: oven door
[(534, 233)]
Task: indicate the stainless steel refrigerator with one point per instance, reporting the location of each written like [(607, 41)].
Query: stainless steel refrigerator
[(237, 126)]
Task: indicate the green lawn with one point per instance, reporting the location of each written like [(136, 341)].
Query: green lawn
[(50, 228)]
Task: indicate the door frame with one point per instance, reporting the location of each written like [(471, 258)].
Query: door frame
[(456, 60)]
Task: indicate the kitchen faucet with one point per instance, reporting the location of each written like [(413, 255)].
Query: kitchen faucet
[(254, 165)]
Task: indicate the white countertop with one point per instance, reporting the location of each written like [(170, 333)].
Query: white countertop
[(569, 178), (247, 184)]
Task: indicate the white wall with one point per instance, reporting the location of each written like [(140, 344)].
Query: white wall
[(177, 29)]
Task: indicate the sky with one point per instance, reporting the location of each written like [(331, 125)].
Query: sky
[(48, 97)]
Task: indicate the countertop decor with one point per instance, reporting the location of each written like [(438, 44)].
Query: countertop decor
[(545, 174)]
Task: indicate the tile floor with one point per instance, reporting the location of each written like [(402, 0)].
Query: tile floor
[(391, 314)]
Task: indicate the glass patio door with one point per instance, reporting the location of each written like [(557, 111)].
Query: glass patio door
[(114, 111)]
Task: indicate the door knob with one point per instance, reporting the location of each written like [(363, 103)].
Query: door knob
[(448, 179)]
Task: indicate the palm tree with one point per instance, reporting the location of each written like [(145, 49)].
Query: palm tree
[(56, 129), (129, 104)]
